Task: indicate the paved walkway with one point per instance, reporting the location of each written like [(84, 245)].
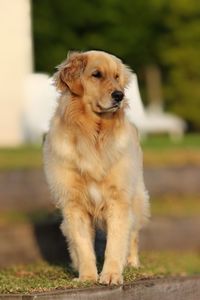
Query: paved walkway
[(154, 289)]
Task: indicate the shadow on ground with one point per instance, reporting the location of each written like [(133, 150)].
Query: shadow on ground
[(52, 244)]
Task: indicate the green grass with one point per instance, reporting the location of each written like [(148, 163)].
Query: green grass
[(158, 151), (162, 142), (171, 157), (35, 217), (165, 206), (173, 206), (42, 277), (162, 151), (25, 157)]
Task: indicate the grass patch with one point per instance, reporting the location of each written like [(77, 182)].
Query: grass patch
[(173, 206), (158, 151), (163, 142), (162, 264), (171, 157), (35, 217), (42, 277), (162, 151), (166, 206), (25, 157)]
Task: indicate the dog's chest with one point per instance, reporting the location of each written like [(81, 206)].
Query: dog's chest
[(95, 159), (95, 193)]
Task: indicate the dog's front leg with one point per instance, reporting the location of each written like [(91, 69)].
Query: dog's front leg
[(119, 223), (78, 229)]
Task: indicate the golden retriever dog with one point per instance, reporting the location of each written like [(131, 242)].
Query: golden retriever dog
[(93, 164)]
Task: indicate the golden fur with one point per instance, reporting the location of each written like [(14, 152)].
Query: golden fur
[(93, 165)]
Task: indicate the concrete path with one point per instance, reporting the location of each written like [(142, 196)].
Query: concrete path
[(154, 289)]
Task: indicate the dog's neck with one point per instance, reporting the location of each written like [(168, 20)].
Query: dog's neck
[(80, 116)]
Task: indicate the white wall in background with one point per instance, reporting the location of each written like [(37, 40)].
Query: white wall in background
[(15, 64), (40, 103)]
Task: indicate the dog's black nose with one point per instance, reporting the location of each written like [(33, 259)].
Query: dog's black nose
[(117, 96)]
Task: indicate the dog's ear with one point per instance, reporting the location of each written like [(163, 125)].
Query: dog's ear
[(127, 75), (68, 76), (125, 70)]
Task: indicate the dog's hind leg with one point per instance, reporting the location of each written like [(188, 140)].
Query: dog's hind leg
[(142, 212), (133, 258)]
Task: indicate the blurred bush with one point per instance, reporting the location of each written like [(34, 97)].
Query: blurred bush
[(161, 32)]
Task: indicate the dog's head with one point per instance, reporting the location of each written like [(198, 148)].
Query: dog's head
[(98, 78)]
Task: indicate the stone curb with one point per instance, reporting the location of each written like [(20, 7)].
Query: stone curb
[(26, 190), (171, 288)]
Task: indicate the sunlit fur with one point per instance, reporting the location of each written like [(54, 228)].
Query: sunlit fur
[(93, 165)]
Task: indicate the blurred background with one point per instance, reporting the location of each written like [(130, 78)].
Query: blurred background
[(160, 41)]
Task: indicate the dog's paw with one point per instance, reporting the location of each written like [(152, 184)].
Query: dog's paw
[(133, 262), (111, 278), (87, 277)]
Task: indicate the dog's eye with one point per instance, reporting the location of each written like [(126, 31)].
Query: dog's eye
[(117, 76), (97, 74)]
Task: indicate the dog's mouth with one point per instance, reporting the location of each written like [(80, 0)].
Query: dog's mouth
[(112, 108)]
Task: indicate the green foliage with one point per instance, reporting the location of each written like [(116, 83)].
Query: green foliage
[(163, 32), (179, 51), (121, 27)]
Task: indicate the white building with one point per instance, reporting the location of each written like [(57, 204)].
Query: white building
[(16, 64)]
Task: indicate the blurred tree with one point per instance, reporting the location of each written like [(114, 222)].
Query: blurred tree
[(179, 51), (124, 28), (165, 33)]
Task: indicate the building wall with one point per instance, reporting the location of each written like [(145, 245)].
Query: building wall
[(15, 65)]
